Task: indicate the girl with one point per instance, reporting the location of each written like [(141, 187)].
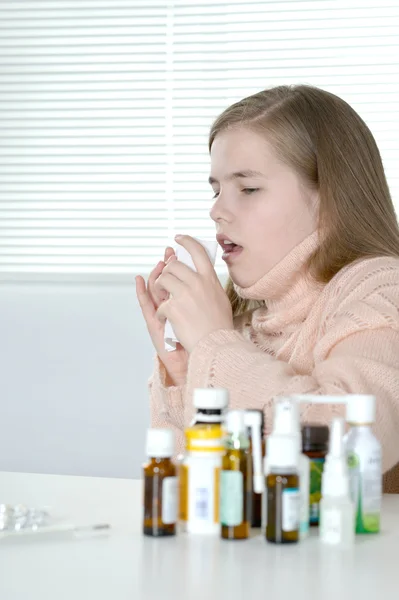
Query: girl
[(311, 241)]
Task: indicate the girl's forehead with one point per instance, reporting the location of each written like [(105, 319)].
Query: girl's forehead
[(237, 150)]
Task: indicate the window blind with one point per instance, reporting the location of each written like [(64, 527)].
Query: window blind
[(105, 109)]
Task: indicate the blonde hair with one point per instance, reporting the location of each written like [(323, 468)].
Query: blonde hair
[(333, 151)]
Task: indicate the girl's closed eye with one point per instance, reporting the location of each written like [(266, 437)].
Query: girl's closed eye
[(249, 191)]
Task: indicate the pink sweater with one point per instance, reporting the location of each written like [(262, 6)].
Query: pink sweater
[(338, 338)]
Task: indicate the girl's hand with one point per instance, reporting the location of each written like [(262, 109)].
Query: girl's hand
[(197, 304), (150, 300)]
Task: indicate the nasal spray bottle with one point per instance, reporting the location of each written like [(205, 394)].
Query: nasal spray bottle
[(254, 421), (185, 257), (286, 423), (337, 526)]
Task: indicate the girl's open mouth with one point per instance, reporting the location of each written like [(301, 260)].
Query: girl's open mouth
[(230, 249)]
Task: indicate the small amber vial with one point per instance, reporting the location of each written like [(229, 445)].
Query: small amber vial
[(236, 480), (160, 485), (282, 488)]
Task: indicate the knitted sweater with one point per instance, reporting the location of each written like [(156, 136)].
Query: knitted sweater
[(338, 338)]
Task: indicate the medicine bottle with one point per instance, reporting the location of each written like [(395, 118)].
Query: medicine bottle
[(315, 446), (255, 422), (337, 515), (235, 479), (282, 488), (365, 462), (199, 479), (287, 423), (160, 485)]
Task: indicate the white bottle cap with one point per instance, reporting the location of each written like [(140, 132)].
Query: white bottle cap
[(282, 452), (160, 443), (211, 398), (286, 420), (360, 409), (286, 417), (235, 422)]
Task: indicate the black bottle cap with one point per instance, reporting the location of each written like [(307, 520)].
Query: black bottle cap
[(315, 438)]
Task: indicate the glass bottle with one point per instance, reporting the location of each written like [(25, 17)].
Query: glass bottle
[(160, 485), (235, 479), (282, 488), (287, 423)]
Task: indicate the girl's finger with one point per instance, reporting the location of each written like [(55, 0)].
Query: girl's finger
[(170, 283), (145, 302), (180, 270), (162, 312), (155, 273), (168, 253), (198, 253)]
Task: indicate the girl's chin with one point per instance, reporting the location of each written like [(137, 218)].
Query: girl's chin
[(240, 281)]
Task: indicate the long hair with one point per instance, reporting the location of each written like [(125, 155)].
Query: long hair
[(332, 150)]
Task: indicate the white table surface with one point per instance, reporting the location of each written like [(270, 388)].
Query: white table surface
[(128, 566)]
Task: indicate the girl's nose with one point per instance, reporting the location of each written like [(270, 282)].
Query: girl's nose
[(219, 211)]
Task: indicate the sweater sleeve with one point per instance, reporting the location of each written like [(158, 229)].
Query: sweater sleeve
[(166, 404), (365, 361)]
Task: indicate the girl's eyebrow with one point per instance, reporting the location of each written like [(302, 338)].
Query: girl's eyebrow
[(238, 175)]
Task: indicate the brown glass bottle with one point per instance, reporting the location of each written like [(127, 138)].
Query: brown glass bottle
[(160, 485), (282, 488), (236, 480), (315, 445)]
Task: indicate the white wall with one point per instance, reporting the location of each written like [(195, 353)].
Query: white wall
[(75, 360)]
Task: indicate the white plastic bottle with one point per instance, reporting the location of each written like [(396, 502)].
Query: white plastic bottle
[(286, 422), (336, 507), (199, 476), (364, 462)]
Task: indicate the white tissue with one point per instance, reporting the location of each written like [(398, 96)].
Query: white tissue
[(185, 257)]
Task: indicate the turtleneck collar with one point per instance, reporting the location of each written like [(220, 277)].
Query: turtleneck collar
[(287, 290)]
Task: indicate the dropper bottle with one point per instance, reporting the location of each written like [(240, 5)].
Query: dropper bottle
[(337, 515)]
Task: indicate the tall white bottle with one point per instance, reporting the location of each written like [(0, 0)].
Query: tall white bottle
[(337, 515), (364, 461), (286, 422)]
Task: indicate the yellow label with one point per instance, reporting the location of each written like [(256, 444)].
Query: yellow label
[(183, 493)]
